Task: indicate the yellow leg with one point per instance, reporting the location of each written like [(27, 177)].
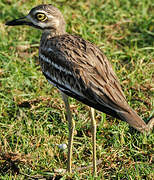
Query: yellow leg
[(93, 124), (71, 126)]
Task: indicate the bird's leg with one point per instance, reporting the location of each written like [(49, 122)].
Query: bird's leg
[(71, 126), (93, 124)]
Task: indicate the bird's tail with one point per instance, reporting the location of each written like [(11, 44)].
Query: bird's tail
[(135, 121)]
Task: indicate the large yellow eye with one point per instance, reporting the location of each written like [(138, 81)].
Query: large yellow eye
[(41, 17)]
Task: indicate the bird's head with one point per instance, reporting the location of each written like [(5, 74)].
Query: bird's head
[(44, 17)]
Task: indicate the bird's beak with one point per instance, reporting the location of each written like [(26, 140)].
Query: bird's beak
[(18, 22)]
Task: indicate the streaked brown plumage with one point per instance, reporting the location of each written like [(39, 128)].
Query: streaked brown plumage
[(79, 69), (84, 73)]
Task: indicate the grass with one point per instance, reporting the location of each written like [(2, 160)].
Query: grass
[(32, 116)]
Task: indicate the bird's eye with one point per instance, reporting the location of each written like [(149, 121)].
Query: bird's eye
[(41, 17)]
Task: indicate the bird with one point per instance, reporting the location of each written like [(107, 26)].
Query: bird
[(79, 69)]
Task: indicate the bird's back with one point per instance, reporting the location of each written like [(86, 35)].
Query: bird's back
[(80, 69)]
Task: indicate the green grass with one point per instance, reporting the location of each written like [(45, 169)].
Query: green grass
[(32, 115)]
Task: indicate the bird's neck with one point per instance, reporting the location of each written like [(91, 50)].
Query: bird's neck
[(53, 32)]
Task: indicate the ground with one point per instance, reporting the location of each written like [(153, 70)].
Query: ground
[(32, 114)]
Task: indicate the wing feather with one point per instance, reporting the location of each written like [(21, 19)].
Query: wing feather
[(81, 70)]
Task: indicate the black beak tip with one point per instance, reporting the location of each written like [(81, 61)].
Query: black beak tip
[(16, 22), (11, 23), (8, 23)]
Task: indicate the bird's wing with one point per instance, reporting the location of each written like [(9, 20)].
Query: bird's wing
[(80, 69)]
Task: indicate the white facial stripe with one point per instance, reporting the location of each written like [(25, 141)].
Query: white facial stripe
[(40, 11), (55, 21), (42, 25), (50, 16)]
